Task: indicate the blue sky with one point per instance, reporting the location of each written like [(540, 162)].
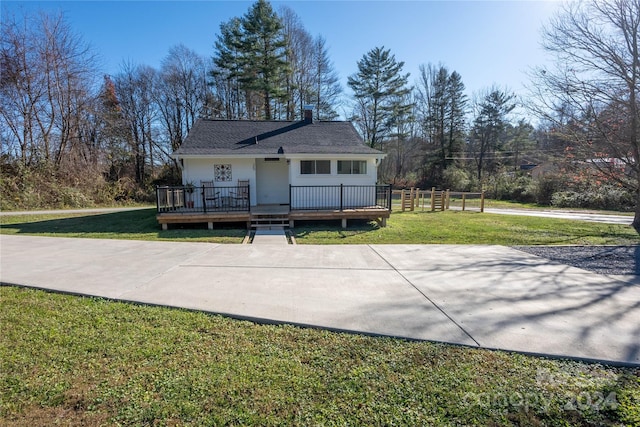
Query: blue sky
[(487, 42)]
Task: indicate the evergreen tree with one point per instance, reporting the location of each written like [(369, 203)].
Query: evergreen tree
[(488, 127), (263, 54), (456, 121), (111, 129), (442, 104), (228, 68), (379, 89)]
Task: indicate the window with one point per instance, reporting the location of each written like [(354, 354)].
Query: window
[(352, 167), (315, 167)]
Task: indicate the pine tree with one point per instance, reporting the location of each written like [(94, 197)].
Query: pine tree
[(457, 112), (378, 88), (228, 67), (488, 126), (263, 54), (443, 107)]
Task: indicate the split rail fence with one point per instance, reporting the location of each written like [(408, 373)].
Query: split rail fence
[(438, 200)]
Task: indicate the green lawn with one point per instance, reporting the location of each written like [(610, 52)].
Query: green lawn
[(131, 225), (455, 227), (69, 360), (451, 227)]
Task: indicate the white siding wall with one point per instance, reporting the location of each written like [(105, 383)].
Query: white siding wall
[(322, 197), (196, 170), (296, 178)]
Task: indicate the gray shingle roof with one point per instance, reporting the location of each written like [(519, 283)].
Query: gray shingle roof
[(245, 137)]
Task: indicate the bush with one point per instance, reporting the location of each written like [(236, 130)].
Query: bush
[(606, 197), (518, 188), (44, 186), (546, 186), (456, 179)]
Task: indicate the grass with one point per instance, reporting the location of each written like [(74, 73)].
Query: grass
[(455, 227), (129, 225), (69, 360), (450, 227)]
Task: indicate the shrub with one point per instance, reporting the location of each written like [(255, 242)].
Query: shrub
[(546, 186), (509, 186), (43, 186), (456, 179), (605, 197)]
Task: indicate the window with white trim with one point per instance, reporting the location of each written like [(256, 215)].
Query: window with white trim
[(315, 167), (352, 167)]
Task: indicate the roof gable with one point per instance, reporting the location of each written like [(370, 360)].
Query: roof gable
[(245, 137)]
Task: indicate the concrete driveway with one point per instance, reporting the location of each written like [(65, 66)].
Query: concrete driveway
[(486, 296)]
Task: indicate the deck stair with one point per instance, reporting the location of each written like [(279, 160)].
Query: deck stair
[(269, 220)]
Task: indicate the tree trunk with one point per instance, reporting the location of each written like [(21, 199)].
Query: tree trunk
[(636, 219)]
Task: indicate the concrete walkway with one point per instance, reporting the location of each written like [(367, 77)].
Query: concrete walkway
[(270, 236), (487, 296)]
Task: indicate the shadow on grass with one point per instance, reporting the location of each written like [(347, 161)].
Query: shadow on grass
[(138, 224)]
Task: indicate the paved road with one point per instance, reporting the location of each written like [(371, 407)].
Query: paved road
[(480, 296), (563, 214)]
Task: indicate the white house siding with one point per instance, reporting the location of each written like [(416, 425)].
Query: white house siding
[(330, 196), (202, 169), (256, 171), (296, 178)]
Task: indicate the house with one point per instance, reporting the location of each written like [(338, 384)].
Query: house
[(274, 172)]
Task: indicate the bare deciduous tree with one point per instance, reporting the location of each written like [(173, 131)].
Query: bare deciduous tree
[(134, 88), (326, 82), (180, 93), (48, 74), (591, 95)]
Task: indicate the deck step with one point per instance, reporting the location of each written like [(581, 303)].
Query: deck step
[(269, 220)]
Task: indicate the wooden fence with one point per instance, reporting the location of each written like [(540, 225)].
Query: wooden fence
[(438, 200)]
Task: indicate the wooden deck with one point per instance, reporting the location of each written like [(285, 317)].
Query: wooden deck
[(270, 215), (210, 205)]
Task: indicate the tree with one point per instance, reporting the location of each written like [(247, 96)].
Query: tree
[(519, 141), (299, 57), (379, 86), (111, 130), (134, 89), (180, 93), (263, 53), (402, 144), (46, 87), (326, 81), (442, 105), (228, 69), (491, 110), (591, 95)]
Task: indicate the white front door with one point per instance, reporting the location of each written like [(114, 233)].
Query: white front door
[(272, 181)]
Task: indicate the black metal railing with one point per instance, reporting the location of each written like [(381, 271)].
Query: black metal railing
[(339, 197), (203, 199), (184, 198)]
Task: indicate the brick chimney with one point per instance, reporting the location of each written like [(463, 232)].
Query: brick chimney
[(308, 114)]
